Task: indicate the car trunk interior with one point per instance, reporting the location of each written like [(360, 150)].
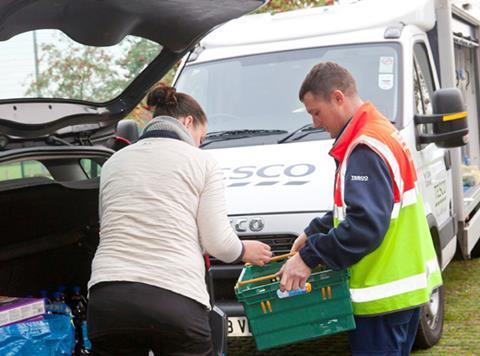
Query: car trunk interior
[(49, 233)]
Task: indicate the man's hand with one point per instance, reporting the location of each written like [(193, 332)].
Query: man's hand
[(299, 242), (257, 253), (294, 274)]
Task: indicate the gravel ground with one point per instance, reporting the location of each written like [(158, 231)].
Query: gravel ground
[(461, 334)]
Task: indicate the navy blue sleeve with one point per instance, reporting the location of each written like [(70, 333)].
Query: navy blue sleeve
[(322, 224), (369, 202)]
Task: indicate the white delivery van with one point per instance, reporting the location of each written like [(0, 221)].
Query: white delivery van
[(278, 175)]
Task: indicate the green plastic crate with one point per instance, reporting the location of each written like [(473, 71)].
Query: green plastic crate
[(275, 321)]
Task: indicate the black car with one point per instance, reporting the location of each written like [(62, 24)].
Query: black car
[(54, 139)]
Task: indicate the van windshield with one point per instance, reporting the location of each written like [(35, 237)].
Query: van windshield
[(260, 92)]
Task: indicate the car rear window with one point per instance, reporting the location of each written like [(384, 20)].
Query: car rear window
[(24, 169), (49, 64), (92, 169)]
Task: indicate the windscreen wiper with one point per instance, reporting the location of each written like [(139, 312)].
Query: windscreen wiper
[(238, 134), (307, 129)]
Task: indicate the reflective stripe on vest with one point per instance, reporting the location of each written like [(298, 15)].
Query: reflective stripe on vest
[(390, 289), (381, 149), (409, 197)]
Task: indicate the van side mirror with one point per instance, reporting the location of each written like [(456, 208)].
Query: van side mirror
[(449, 127)]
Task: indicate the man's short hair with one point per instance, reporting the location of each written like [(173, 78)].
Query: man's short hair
[(324, 78)]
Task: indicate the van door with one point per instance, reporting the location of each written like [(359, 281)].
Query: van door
[(434, 169), (436, 176), (466, 69)]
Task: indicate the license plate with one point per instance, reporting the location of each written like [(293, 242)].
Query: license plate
[(238, 326)]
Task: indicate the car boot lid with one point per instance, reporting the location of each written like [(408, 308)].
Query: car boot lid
[(175, 25)]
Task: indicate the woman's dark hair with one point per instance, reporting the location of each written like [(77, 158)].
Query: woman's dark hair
[(165, 100)]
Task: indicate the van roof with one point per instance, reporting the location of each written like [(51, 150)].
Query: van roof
[(313, 22)]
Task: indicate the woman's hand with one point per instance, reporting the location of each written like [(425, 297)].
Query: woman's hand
[(257, 253)]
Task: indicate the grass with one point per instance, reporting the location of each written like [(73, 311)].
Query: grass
[(461, 330), (461, 333)]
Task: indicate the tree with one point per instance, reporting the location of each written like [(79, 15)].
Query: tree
[(73, 72), (286, 5), (69, 70)]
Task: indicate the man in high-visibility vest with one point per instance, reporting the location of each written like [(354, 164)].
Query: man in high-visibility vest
[(377, 228)]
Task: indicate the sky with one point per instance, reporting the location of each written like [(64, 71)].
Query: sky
[(16, 62)]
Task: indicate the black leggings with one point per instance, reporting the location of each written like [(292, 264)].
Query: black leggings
[(128, 318)]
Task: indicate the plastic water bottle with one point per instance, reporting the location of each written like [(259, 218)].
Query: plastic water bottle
[(44, 295), (58, 297), (58, 305), (79, 307), (87, 346), (62, 293), (79, 304)]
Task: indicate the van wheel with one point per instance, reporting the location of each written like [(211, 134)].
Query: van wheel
[(431, 320), (476, 250)]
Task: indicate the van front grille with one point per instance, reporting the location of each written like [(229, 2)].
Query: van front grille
[(280, 244)]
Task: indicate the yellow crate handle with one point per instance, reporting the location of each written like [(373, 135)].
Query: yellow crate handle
[(259, 279), (270, 276), (277, 258), (282, 257)]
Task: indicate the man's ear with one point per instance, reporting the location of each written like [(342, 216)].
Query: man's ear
[(338, 97)]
